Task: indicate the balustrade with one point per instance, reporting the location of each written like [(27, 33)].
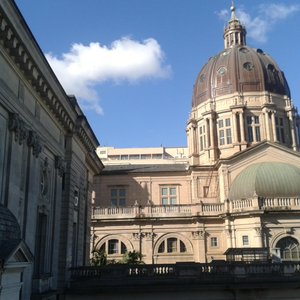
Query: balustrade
[(209, 209)]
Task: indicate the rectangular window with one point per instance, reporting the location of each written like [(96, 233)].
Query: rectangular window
[(245, 240), (221, 137), (280, 129), (168, 195), (214, 242), (225, 136), (205, 191), (113, 246), (202, 137), (253, 129), (118, 196)]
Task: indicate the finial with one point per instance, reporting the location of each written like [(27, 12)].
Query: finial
[(232, 8)]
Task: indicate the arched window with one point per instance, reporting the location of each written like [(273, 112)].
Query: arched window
[(113, 246), (289, 248), (172, 245)]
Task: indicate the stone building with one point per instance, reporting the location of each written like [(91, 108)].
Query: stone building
[(237, 196), (47, 163)]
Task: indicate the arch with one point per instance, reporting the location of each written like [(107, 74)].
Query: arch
[(173, 243), (104, 240), (288, 248)]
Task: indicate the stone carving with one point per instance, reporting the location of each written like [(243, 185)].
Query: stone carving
[(17, 125), (198, 234), (60, 165), (137, 235), (34, 142)]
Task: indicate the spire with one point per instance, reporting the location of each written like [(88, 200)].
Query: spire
[(235, 32), (232, 8)]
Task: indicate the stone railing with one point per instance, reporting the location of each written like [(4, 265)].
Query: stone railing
[(199, 209), (209, 209), (222, 273)]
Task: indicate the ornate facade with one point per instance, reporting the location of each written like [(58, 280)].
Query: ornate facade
[(47, 163), (238, 190)]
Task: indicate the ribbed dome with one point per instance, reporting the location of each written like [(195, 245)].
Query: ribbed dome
[(9, 226), (269, 179), (239, 69)]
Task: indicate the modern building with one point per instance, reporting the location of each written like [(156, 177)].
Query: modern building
[(157, 155), (47, 163), (237, 197)]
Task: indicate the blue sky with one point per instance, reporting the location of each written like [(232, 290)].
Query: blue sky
[(132, 63)]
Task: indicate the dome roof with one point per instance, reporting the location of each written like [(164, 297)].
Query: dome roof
[(238, 68), (268, 179), (9, 226)]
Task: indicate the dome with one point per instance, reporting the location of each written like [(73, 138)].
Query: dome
[(9, 226), (268, 179), (238, 69)]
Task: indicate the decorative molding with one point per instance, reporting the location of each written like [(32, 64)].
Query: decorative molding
[(149, 236), (198, 235), (18, 51), (34, 141), (258, 231), (17, 125), (60, 165), (137, 235)]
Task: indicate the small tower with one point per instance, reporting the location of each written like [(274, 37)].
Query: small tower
[(235, 32)]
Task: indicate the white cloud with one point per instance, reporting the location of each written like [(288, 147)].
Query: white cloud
[(84, 67), (268, 15)]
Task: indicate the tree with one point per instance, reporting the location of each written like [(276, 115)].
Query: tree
[(99, 258), (132, 258)]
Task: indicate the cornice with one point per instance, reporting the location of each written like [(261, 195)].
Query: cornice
[(19, 53)]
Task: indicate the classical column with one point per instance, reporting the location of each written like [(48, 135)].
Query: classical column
[(293, 132), (235, 131), (267, 124), (242, 126), (207, 132), (274, 126)]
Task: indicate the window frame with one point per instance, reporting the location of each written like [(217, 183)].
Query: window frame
[(225, 131), (168, 198), (119, 199), (214, 242)]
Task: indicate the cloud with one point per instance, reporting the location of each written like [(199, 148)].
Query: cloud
[(268, 16), (85, 67)]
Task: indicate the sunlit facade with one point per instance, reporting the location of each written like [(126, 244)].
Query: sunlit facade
[(239, 186)]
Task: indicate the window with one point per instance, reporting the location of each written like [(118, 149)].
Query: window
[(225, 132), (118, 196), (172, 245), (214, 242), (168, 195), (113, 246), (245, 239), (279, 129), (205, 191), (289, 249), (253, 129), (202, 137)]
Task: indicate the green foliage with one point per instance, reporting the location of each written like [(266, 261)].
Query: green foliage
[(99, 258), (132, 258)]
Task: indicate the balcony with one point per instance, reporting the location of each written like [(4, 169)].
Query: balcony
[(257, 204), (221, 274)]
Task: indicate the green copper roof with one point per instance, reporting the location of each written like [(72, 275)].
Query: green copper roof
[(268, 179)]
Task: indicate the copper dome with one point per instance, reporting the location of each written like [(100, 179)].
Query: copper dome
[(238, 68)]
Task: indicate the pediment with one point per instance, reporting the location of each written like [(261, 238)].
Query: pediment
[(264, 152), (19, 255)]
